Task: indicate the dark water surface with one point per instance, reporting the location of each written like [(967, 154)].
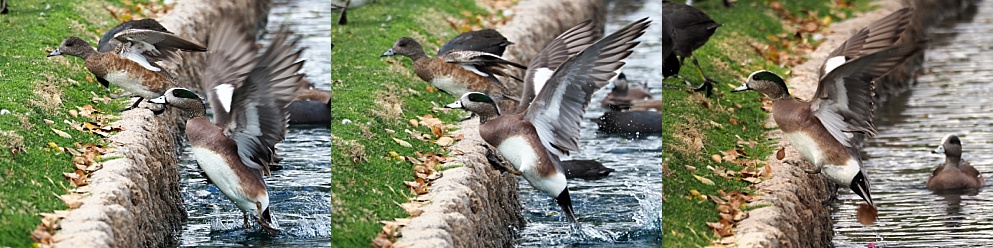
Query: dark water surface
[(300, 194), (953, 96), (625, 207)]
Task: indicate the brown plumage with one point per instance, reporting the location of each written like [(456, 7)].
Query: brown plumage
[(955, 172)]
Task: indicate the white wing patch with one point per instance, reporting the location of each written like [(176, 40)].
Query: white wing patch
[(473, 69), (831, 63), (224, 92), (541, 76)]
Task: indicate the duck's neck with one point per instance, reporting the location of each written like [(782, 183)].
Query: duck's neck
[(952, 161), (418, 55), (86, 53), (781, 96), (196, 110), (488, 115)]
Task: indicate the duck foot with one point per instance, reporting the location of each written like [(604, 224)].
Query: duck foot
[(135, 105), (498, 162), (707, 86)]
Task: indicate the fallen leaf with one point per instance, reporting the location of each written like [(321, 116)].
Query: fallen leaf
[(781, 153), (402, 143), (866, 214), (716, 158), (444, 141), (704, 180), (62, 134)]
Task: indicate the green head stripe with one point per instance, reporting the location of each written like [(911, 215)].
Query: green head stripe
[(480, 97)]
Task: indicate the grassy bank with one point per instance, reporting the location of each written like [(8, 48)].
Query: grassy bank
[(40, 93), (754, 36), (373, 102)]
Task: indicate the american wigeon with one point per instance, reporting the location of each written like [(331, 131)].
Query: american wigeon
[(311, 105), (624, 96), (458, 71), (692, 29), (955, 173), (344, 6), (128, 56), (584, 168), (485, 40), (238, 148), (823, 130), (532, 140)]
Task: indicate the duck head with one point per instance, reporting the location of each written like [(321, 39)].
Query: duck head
[(950, 146), (767, 83), (478, 103), (405, 46), (74, 46), (184, 99), (860, 185)]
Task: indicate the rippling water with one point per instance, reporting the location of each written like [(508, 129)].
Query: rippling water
[(623, 208), (954, 96), (299, 194)]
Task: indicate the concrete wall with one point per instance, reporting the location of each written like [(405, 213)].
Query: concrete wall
[(795, 216), (135, 200), (475, 205)]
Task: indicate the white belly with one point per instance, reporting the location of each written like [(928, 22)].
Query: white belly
[(133, 85), (450, 85), (840, 174), (226, 180), (518, 152)]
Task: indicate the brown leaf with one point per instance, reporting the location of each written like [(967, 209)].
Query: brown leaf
[(781, 153), (716, 158), (866, 214), (72, 200)]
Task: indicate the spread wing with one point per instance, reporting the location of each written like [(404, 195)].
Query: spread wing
[(147, 47), (540, 68), (486, 40), (258, 117), (843, 101), (879, 35), (557, 110), (232, 54)]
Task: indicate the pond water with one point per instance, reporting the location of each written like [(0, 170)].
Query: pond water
[(625, 207), (300, 193), (953, 96)]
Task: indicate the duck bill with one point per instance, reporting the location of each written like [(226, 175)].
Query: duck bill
[(388, 53), (454, 105), (860, 185), (743, 87), (159, 100), (57, 52), (939, 150)]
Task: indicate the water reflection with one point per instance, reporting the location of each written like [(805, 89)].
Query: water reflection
[(623, 208), (952, 97), (300, 193)]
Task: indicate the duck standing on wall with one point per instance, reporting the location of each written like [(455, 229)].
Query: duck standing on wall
[(691, 29), (248, 94), (128, 55), (533, 139), (824, 129), (457, 72), (955, 173)]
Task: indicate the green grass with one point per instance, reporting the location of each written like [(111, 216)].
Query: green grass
[(727, 58), (367, 180), (36, 89)]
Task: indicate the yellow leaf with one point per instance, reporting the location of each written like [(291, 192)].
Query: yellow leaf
[(704, 180), (53, 145), (402, 143)]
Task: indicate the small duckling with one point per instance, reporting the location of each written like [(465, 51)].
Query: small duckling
[(955, 173)]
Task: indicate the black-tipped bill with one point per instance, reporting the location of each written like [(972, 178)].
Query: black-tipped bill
[(388, 53), (159, 100), (57, 52), (939, 150), (454, 105), (743, 87), (860, 185)]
